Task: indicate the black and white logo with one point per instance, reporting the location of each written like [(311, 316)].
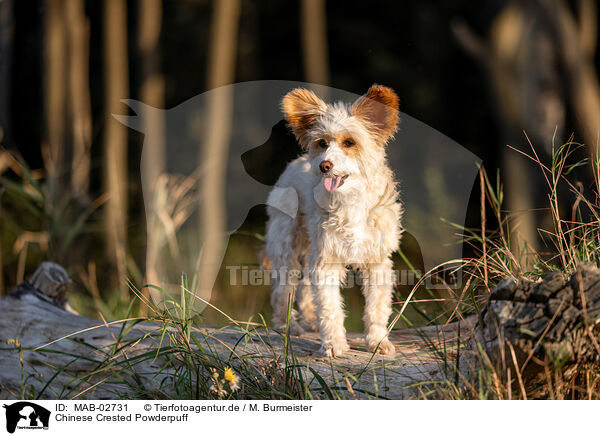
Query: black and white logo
[(27, 416)]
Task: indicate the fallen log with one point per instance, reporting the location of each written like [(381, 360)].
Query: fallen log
[(540, 327), (49, 352)]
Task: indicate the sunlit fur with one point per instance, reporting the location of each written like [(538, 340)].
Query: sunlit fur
[(357, 224)]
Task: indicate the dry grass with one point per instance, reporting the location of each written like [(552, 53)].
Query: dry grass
[(572, 239)]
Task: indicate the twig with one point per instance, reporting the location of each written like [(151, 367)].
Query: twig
[(519, 377)]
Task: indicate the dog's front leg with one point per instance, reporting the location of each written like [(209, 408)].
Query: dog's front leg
[(378, 289), (326, 281)]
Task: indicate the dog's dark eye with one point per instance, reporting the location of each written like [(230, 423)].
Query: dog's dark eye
[(322, 143), (349, 143)]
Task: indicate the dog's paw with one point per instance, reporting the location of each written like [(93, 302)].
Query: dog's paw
[(295, 328), (383, 347), (334, 348)]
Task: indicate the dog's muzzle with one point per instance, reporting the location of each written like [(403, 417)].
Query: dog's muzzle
[(326, 166)]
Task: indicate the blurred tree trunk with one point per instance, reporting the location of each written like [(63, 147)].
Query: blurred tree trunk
[(522, 67), (55, 53), (314, 41), (78, 30), (214, 153), (115, 134), (576, 46), (6, 44), (152, 92), (540, 59)]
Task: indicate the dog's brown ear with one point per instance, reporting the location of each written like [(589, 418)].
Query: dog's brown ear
[(301, 108), (379, 107)]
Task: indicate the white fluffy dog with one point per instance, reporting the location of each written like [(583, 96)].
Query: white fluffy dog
[(348, 215)]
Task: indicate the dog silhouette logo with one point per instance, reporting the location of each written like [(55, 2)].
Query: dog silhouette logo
[(212, 160), (26, 415)]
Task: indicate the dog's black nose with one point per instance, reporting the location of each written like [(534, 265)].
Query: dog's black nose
[(325, 166)]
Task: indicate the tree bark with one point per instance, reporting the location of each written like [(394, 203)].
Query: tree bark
[(550, 321)]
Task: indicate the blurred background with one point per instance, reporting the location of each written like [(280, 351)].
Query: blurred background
[(487, 74)]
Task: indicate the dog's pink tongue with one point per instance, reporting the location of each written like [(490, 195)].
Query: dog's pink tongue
[(331, 183)]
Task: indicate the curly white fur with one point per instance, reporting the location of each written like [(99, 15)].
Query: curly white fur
[(347, 215)]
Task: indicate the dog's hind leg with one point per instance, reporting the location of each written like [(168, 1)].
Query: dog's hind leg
[(281, 300), (308, 317), (282, 250), (304, 294)]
